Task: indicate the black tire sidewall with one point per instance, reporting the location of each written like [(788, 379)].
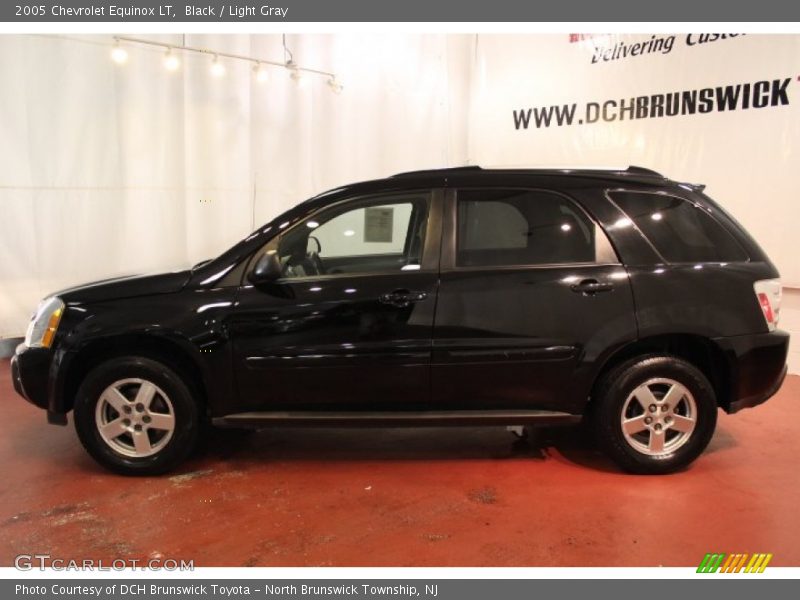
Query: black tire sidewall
[(622, 382), (187, 415)]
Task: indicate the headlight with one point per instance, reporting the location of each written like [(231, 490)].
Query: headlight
[(43, 325)]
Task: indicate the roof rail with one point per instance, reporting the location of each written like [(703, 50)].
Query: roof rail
[(470, 169), (631, 170), (643, 171)]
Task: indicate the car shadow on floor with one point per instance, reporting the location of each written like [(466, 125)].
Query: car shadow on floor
[(569, 444)]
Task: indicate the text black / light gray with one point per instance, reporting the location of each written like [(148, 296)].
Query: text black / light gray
[(408, 11)]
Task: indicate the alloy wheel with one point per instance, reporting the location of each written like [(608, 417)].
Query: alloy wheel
[(658, 417), (135, 418)]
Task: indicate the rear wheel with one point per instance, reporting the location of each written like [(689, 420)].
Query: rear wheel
[(654, 414), (135, 415)]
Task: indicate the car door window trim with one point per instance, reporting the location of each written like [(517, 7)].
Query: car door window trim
[(429, 262), (608, 196), (450, 233)]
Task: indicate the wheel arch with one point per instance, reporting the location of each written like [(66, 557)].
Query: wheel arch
[(702, 352), (163, 349)]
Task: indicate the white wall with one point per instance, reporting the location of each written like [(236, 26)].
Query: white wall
[(790, 321), (749, 159), (108, 170)]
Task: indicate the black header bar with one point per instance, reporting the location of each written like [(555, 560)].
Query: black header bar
[(464, 11)]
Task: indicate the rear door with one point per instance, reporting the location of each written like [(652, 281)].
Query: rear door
[(531, 297)]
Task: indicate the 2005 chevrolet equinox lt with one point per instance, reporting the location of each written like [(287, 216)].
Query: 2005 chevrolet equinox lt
[(456, 296)]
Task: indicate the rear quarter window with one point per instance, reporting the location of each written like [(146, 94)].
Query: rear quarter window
[(678, 229)]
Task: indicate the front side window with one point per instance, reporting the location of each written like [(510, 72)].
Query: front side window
[(366, 236), (525, 227), (679, 230)]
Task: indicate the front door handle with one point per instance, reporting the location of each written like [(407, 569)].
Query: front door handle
[(589, 287), (402, 298)]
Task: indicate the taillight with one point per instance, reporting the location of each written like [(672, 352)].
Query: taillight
[(765, 306), (768, 292)]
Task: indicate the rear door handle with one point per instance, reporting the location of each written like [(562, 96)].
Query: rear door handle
[(589, 287), (402, 298)]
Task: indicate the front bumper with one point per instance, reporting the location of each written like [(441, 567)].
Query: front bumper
[(30, 369), (31, 376), (758, 367)]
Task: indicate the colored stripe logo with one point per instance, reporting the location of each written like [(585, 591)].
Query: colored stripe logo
[(734, 563)]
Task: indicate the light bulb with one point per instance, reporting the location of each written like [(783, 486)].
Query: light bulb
[(335, 86), (260, 73), (217, 68), (298, 76), (171, 62), (119, 55)]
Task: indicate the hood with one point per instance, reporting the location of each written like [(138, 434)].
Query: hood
[(125, 287)]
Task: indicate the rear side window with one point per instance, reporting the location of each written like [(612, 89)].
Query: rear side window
[(679, 230), (522, 227)]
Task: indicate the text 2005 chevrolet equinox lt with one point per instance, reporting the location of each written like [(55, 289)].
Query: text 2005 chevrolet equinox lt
[(457, 296)]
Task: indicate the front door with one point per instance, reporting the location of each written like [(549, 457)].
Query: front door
[(531, 294), (349, 326)]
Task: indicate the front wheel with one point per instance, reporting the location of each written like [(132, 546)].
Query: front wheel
[(654, 415), (136, 416)]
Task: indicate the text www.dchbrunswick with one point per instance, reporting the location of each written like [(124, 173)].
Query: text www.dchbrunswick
[(741, 96)]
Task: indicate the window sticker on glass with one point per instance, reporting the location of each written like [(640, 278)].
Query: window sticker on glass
[(378, 224)]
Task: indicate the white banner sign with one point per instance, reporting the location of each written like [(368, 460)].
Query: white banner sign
[(718, 109)]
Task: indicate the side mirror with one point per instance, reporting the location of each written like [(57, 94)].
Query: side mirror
[(267, 269)]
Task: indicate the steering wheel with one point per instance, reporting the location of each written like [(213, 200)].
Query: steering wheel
[(315, 262), (308, 260)]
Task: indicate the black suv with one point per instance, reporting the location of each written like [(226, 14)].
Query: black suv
[(457, 296)]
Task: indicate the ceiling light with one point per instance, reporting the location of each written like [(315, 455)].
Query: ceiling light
[(217, 68), (296, 74), (260, 73), (119, 55), (335, 85), (171, 61)]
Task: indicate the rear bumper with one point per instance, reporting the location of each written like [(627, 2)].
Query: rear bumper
[(758, 367), (760, 398)]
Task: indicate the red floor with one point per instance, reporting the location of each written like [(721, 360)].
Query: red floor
[(420, 497)]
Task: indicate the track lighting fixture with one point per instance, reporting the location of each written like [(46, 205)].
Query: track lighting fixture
[(217, 68), (172, 62), (118, 54), (335, 85), (260, 73)]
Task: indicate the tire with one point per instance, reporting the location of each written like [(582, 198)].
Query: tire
[(679, 428), (150, 420)]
